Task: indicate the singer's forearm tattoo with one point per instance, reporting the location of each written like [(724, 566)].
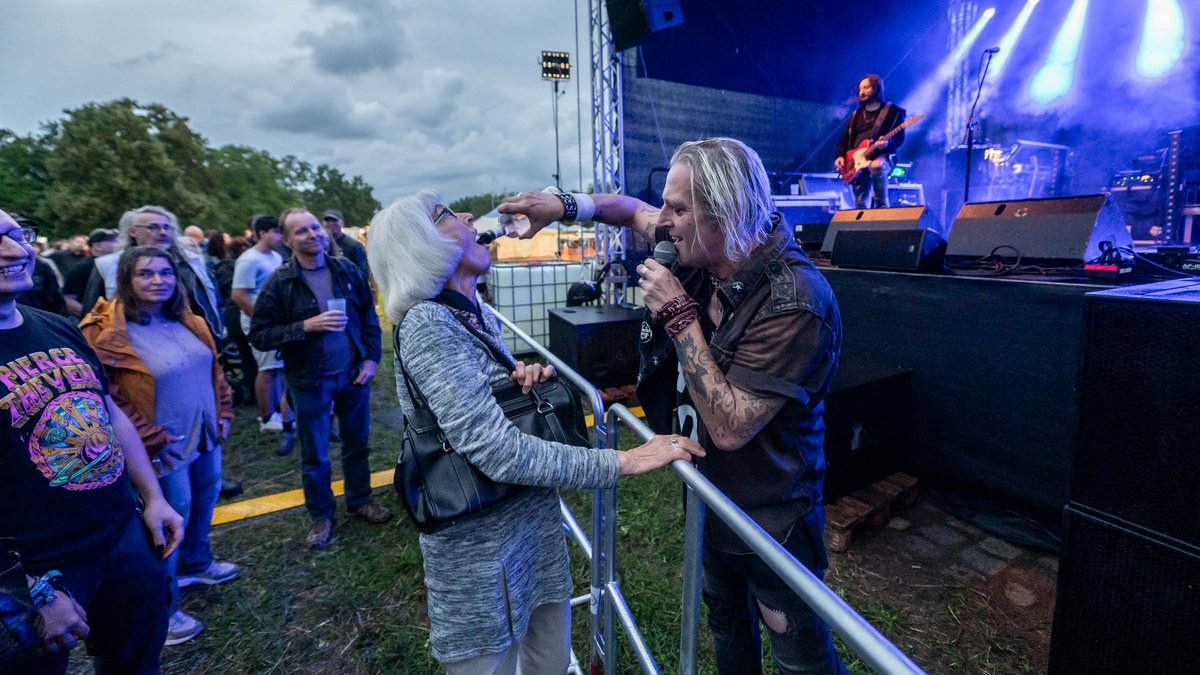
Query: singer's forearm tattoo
[(731, 415)]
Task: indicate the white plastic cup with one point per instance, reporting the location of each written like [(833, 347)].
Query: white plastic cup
[(337, 305)]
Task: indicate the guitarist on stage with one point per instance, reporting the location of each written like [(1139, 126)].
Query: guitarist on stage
[(870, 121)]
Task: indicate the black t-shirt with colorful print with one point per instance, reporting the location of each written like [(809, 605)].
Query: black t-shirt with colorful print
[(64, 488)]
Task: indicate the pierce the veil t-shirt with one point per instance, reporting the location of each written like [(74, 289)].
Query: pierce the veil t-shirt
[(64, 488)]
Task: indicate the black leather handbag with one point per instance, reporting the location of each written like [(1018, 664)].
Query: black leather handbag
[(438, 486)]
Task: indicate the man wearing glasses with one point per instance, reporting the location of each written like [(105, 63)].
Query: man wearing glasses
[(156, 226)]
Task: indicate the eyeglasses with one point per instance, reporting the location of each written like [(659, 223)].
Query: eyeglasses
[(156, 228), (444, 212), (22, 235)]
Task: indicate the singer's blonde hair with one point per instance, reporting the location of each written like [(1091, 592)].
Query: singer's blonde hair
[(730, 191), (410, 259)]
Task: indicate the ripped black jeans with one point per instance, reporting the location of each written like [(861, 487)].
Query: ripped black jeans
[(740, 590)]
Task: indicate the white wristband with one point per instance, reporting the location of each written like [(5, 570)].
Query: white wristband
[(587, 206)]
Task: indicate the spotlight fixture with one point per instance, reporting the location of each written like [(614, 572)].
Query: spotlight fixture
[(556, 66)]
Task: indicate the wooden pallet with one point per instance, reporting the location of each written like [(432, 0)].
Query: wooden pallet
[(871, 507)]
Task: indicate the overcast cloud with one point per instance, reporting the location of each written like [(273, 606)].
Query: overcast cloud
[(407, 94)]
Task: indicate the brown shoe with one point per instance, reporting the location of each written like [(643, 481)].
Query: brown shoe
[(320, 533), (373, 513)]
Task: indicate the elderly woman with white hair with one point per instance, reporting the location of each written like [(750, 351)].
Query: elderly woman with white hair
[(498, 584)]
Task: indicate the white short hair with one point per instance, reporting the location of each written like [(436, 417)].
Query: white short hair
[(410, 259), (126, 240)]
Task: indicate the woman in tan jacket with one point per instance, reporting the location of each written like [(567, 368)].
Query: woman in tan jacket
[(162, 366)]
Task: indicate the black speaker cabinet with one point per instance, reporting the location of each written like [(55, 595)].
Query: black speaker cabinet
[(600, 343), (632, 20), (1065, 229), (1138, 450), (900, 250), (1126, 603), (896, 218)]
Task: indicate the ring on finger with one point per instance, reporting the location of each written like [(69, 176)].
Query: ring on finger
[(674, 442)]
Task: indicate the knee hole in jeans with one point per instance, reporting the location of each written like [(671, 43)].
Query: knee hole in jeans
[(776, 620)]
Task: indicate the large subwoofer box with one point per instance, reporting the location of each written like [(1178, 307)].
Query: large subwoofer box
[(896, 218), (1129, 581), (1064, 229), (600, 343)]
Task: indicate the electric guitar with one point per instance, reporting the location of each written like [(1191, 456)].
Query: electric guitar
[(856, 160)]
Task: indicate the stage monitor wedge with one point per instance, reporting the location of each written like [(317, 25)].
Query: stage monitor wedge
[(896, 218), (918, 250), (1061, 229)]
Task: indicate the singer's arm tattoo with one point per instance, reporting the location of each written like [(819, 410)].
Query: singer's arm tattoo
[(650, 216), (732, 415)]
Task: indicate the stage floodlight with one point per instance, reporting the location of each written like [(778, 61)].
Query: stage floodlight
[(1008, 43), (923, 97), (556, 66), (1054, 79), (1162, 41)]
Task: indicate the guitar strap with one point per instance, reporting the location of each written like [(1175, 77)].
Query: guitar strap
[(884, 115)]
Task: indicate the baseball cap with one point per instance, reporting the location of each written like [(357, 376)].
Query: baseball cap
[(332, 213), (101, 235)]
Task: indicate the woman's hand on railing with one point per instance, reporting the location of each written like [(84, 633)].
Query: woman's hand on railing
[(528, 376), (658, 452)]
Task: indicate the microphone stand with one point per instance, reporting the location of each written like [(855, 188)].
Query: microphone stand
[(969, 136)]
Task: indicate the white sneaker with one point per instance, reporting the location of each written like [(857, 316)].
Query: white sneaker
[(273, 425), (217, 573), (181, 628)]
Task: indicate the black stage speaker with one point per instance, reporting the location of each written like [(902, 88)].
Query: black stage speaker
[(600, 343), (632, 20), (1126, 603), (921, 249), (1138, 453), (809, 216), (1129, 582), (1063, 229), (896, 218)]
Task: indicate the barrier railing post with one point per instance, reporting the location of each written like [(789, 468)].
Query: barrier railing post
[(607, 561), (693, 540)]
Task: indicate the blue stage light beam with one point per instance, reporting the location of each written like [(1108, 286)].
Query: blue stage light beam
[(1162, 41), (1054, 79), (1008, 43), (922, 98)]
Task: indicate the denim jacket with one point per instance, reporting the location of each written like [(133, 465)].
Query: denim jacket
[(286, 301)]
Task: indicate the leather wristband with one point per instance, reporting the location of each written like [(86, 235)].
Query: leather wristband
[(675, 307)]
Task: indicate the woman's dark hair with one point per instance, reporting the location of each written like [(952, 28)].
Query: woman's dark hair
[(173, 308), (216, 246), (237, 246)]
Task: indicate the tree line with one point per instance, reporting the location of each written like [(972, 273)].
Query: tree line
[(84, 170)]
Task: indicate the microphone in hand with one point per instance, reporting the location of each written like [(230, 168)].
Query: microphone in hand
[(665, 253)]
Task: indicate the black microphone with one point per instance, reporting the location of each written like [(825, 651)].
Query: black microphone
[(665, 253), (993, 50)]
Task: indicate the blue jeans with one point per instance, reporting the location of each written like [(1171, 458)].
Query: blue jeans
[(740, 590), (192, 491), (352, 407), (124, 591)]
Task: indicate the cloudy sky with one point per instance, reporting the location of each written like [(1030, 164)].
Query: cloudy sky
[(406, 93)]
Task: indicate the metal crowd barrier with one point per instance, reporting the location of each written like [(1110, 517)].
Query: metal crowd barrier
[(607, 603)]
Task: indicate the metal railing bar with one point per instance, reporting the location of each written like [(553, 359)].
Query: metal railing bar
[(644, 657), (689, 629), (870, 645), (572, 528)]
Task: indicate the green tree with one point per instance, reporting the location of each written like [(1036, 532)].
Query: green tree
[(330, 189), (24, 178), (249, 182), (477, 204), (106, 158)]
